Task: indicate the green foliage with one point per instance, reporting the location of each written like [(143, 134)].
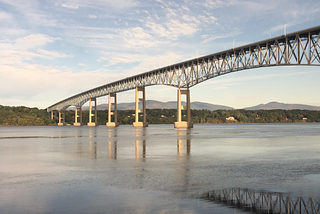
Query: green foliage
[(24, 116)]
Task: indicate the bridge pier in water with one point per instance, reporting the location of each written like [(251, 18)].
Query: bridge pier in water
[(93, 108), (110, 113), (180, 123), (78, 114), (143, 111), (61, 118), (298, 48)]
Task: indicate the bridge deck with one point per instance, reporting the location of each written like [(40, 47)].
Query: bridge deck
[(298, 48)]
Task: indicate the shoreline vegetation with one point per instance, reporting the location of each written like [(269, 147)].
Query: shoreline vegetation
[(25, 116)]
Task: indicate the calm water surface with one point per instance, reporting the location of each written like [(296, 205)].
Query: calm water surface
[(157, 169)]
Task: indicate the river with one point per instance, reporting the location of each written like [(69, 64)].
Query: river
[(158, 169)]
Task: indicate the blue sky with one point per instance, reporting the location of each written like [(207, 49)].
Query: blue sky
[(53, 49)]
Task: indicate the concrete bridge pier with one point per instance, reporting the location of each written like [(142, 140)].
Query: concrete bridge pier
[(78, 114), (53, 115), (180, 123), (143, 111), (110, 104), (93, 112), (61, 118)]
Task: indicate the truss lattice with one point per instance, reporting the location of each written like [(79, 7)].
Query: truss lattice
[(299, 48)]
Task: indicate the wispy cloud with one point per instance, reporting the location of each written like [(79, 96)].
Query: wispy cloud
[(5, 16), (97, 4), (52, 54), (70, 6), (92, 16)]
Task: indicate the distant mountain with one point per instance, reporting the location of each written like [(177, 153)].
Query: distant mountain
[(153, 104), (285, 106)]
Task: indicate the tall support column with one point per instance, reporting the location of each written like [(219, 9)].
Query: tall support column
[(61, 118), (53, 115), (180, 123), (143, 111), (110, 104), (78, 117), (93, 112)]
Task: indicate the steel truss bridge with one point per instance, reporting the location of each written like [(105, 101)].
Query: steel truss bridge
[(298, 48), (263, 202)]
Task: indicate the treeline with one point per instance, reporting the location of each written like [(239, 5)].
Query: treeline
[(24, 116)]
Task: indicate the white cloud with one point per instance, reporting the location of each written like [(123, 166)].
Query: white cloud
[(215, 3), (157, 29), (27, 48), (149, 63), (172, 29), (33, 40), (123, 58), (116, 60), (5, 16), (185, 8), (70, 6), (276, 28), (97, 4), (92, 16), (30, 14), (27, 81), (52, 54), (177, 28), (12, 32), (137, 37), (209, 38)]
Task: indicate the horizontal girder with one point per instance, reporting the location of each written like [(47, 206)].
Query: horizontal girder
[(299, 48)]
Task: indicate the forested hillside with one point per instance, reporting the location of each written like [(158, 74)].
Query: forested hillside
[(24, 116)]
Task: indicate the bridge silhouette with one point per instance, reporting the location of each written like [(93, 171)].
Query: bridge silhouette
[(298, 48)]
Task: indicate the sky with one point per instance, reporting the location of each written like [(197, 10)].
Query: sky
[(54, 49)]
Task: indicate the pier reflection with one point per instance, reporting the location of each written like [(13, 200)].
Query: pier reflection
[(183, 142), (140, 143), (112, 142), (93, 144), (183, 159), (93, 150), (88, 141)]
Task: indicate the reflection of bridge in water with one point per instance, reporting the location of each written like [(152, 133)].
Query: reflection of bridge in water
[(263, 202), (140, 143)]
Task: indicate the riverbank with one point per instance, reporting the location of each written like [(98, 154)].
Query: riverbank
[(25, 116)]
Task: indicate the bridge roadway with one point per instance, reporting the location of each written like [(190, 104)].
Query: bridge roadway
[(298, 48)]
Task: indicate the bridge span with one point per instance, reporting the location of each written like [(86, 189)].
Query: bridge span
[(298, 48)]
